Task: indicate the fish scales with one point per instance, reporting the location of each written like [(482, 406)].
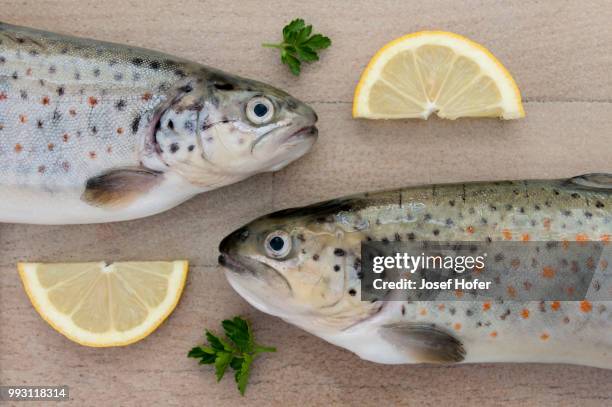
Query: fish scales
[(316, 285), (74, 109)]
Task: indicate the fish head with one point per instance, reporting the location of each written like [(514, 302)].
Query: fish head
[(227, 128), (299, 265)]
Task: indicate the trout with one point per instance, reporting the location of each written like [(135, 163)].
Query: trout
[(304, 266), (92, 131)]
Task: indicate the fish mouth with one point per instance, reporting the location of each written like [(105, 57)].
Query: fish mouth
[(304, 132), (241, 266)]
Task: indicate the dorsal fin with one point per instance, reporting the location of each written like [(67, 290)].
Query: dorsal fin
[(593, 181)]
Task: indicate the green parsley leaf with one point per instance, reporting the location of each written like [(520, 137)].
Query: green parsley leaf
[(237, 350), (299, 45)]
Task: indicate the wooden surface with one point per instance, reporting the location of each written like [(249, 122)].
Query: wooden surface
[(560, 53)]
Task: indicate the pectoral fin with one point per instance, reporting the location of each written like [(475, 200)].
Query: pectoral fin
[(424, 342), (118, 188)]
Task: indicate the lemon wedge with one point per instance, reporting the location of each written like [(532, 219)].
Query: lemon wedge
[(436, 72), (99, 304)]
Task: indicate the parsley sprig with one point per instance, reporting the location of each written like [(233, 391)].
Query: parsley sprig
[(237, 350), (299, 45)]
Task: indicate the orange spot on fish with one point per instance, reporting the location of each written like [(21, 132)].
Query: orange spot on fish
[(525, 237), (546, 223), (486, 306), (50, 146), (441, 307), (470, 229), (457, 326), (586, 306), (555, 306), (565, 244), (511, 291), (604, 264), (548, 272), (423, 311), (92, 155), (18, 148), (581, 237), (3, 96), (92, 101), (120, 130), (525, 313), (147, 96), (570, 291), (544, 336), (458, 293), (23, 118), (45, 100), (65, 137), (605, 239), (72, 112), (507, 234), (41, 169), (590, 263), (493, 334), (515, 263)]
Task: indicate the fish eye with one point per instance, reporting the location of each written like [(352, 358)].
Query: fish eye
[(260, 110), (278, 244)]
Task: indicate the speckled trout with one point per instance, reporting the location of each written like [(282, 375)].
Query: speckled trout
[(96, 132), (303, 265)]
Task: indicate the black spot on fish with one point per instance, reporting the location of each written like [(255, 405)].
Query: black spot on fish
[(505, 314), (469, 312), (449, 222), (94, 130), (118, 76), (15, 75), (339, 252), (33, 53), (154, 65), (508, 207), (190, 148), (188, 126), (471, 211), (499, 257), (451, 202), (537, 207), (2, 60), (555, 192), (427, 216), (96, 72), (336, 268), (411, 236), (223, 86), (385, 240), (180, 73), (77, 76), (588, 214), (23, 94), (452, 310), (39, 124), (135, 124), (315, 257), (52, 69), (436, 232), (64, 50), (489, 240), (187, 88), (57, 116), (120, 105), (566, 213), (599, 204), (61, 91), (137, 61), (174, 147), (493, 207), (403, 310), (170, 124), (575, 195), (398, 238), (352, 292)]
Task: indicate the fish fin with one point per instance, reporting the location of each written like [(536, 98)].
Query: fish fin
[(425, 342), (118, 188), (593, 181)]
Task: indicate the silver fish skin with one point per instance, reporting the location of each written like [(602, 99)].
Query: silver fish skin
[(303, 265), (97, 132)]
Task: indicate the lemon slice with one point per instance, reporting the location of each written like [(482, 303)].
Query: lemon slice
[(99, 304), (436, 72)]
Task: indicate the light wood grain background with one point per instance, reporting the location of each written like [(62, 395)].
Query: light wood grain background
[(560, 53)]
